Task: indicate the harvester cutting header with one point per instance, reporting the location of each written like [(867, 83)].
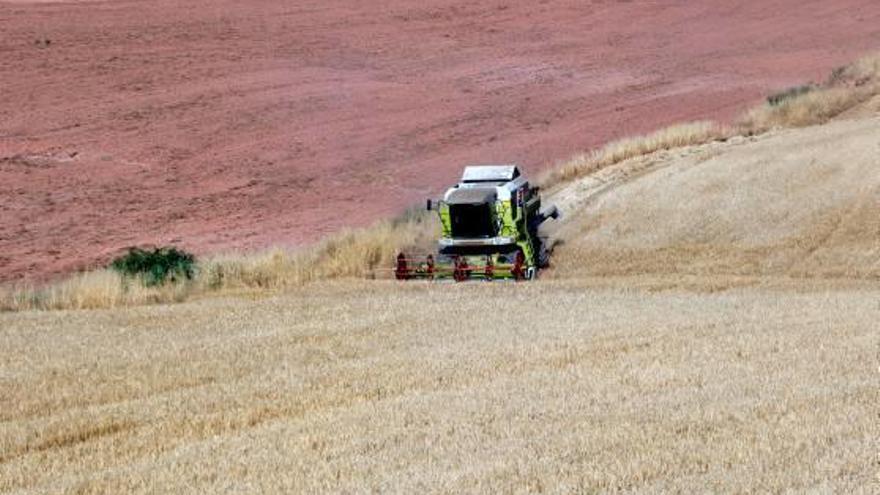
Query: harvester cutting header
[(489, 229)]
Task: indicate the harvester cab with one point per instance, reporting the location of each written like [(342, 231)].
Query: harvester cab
[(488, 229)]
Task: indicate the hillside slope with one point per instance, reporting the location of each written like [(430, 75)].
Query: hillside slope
[(220, 124), (797, 203)]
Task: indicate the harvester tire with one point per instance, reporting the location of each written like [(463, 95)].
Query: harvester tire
[(518, 271), (401, 272), (429, 267), (461, 271)]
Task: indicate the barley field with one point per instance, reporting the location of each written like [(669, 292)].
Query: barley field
[(514, 388)]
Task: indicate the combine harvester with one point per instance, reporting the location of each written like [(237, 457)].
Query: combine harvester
[(489, 230)]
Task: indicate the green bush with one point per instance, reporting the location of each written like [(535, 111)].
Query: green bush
[(156, 266), (777, 99)]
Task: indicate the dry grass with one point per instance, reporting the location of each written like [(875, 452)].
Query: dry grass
[(615, 152), (812, 108), (356, 386), (847, 87), (359, 253), (92, 290)]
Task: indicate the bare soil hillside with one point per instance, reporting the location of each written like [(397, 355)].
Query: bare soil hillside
[(224, 124)]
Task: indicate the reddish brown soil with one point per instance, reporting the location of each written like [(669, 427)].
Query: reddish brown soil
[(224, 124)]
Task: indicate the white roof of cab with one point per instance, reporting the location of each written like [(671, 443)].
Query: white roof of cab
[(489, 173)]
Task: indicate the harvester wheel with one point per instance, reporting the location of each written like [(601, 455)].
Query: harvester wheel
[(429, 266), (461, 272), (518, 271), (401, 272)]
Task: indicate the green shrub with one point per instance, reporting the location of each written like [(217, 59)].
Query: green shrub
[(777, 99), (156, 266)]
